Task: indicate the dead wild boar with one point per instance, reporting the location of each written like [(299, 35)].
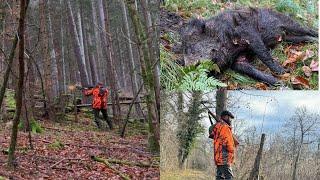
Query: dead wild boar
[(234, 37)]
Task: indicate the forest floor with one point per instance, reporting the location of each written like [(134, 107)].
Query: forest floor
[(300, 59), (187, 174), (65, 150)]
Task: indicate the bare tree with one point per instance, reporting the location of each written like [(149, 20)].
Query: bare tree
[(306, 124), (221, 98), (80, 58)]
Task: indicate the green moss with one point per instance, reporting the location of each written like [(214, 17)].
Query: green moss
[(35, 126), (136, 127), (56, 145), (9, 98)]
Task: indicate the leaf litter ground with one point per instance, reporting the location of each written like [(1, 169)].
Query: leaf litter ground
[(64, 152)]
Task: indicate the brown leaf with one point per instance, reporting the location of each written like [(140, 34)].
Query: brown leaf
[(294, 58), (232, 86), (307, 71), (261, 86), (298, 80), (284, 77)]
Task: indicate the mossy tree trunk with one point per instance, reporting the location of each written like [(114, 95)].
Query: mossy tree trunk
[(190, 127), (19, 91), (147, 67)]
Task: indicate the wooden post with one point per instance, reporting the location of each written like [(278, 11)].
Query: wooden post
[(254, 175)]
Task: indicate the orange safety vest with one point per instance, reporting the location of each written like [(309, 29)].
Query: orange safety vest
[(99, 101), (223, 143)]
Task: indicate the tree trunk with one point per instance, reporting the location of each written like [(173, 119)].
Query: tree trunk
[(296, 162), (50, 111), (121, 63), (133, 68), (103, 39), (63, 81), (28, 102), (53, 57), (23, 8), (151, 35), (81, 34), (97, 42), (77, 48), (148, 78), (8, 70), (221, 98), (92, 61), (112, 75), (254, 175)]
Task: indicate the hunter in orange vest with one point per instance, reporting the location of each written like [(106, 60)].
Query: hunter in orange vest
[(224, 146), (99, 103)]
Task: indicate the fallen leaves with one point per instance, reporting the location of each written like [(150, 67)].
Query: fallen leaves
[(261, 86), (298, 80), (298, 61), (307, 71), (294, 56), (73, 160)]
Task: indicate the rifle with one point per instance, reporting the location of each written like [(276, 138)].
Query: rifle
[(84, 87)]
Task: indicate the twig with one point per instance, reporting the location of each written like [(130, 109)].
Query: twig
[(140, 164), (128, 115), (105, 162), (53, 166), (57, 163)]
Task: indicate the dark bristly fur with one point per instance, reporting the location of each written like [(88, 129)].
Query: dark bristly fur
[(233, 37)]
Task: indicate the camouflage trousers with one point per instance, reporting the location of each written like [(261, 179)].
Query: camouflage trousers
[(96, 113), (224, 172)]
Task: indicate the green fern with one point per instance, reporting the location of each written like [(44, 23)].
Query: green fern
[(189, 78), (195, 77)]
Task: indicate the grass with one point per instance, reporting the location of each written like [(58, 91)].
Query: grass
[(9, 98), (184, 175), (304, 11)]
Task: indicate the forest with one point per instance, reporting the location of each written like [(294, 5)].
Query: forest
[(186, 60), (61, 64), (278, 134)]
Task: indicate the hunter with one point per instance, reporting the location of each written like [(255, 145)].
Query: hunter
[(99, 103), (224, 144)]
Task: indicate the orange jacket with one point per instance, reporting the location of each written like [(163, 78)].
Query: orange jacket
[(99, 101), (223, 143)]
